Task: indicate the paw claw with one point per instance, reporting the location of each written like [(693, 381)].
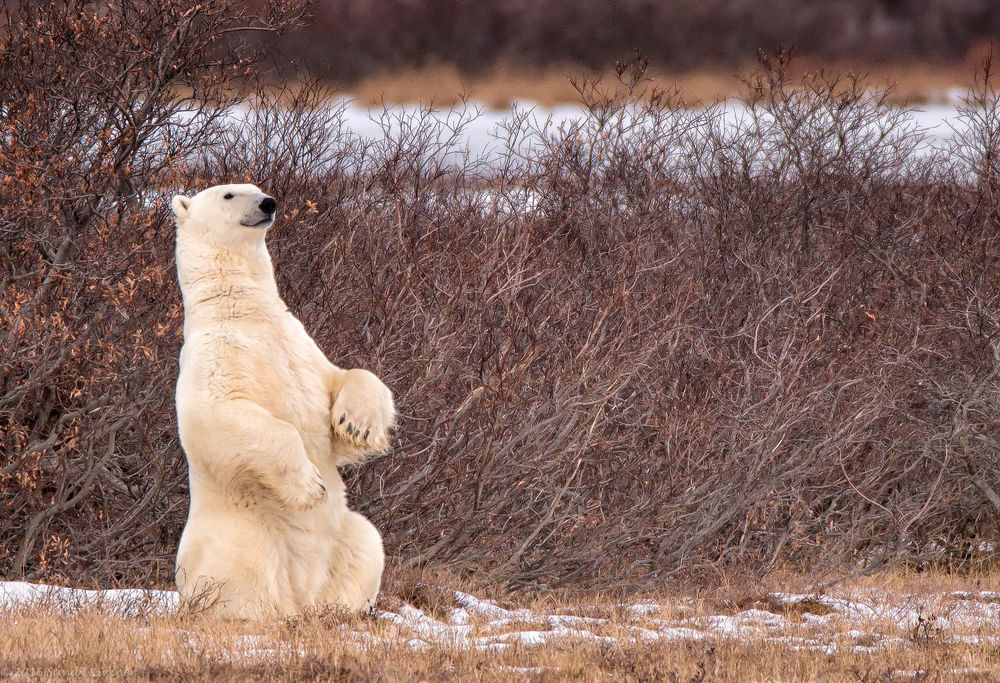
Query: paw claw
[(363, 412)]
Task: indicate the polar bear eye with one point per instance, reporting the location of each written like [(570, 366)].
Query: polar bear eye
[(228, 195)]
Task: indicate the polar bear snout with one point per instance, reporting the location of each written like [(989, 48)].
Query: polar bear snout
[(262, 213)]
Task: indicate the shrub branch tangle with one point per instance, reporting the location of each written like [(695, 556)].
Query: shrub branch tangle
[(635, 346), (99, 101)]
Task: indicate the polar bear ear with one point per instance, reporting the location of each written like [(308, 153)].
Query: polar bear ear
[(180, 204)]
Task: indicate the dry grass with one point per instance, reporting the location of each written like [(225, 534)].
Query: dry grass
[(499, 87), (503, 85), (39, 645)]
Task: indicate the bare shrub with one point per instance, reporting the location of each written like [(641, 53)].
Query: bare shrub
[(650, 343), (644, 343), (99, 102)]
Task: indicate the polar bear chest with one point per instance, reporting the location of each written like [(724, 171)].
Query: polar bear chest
[(270, 361)]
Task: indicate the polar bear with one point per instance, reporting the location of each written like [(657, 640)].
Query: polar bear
[(265, 420)]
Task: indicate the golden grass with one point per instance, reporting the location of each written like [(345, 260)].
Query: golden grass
[(444, 85), (92, 645), (39, 645)]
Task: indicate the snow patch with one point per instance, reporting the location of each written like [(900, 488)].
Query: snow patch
[(123, 601)]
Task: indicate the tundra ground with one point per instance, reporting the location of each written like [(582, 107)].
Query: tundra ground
[(889, 627)]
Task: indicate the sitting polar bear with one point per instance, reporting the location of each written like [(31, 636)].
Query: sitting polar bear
[(265, 419)]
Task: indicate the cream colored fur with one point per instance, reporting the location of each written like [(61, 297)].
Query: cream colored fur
[(265, 419)]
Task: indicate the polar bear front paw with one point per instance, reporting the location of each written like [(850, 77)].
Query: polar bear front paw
[(303, 489), (363, 412)]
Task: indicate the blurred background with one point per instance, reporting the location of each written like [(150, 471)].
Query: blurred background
[(499, 50)]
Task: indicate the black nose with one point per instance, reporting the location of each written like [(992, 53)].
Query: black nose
[(267, 205)]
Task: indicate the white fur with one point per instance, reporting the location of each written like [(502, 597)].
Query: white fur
[(265, 419)]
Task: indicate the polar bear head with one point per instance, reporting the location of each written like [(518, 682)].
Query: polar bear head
[(225, 214)]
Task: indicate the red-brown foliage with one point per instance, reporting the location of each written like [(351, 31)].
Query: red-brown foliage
[(636, 346), (99, 101)]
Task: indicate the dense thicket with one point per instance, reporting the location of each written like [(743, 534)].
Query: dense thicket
[(99, 102), (641, 344), (352, 38)]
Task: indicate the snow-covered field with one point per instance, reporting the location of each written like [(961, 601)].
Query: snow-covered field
[(888, 628), (475, 131), (481, 126)]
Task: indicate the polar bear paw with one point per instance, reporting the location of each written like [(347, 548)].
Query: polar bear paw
[(363, 412), (303, 489)]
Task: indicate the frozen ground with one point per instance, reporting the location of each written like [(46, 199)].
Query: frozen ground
[(481, 125), (473, 131), (853, 621)]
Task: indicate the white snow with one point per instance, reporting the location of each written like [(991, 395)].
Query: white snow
[(473, 131), (125, 601)]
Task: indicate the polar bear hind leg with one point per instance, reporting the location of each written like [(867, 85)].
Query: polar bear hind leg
[(230, 590), (356, 574)]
